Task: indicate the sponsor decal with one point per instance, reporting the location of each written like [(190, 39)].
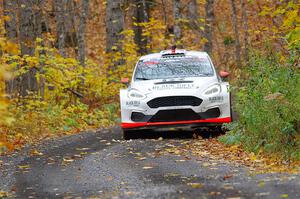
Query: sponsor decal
[(151, 63), (216, 99), (173, 86), (133, 103)]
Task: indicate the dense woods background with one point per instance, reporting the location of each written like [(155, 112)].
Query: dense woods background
[(61, 62)]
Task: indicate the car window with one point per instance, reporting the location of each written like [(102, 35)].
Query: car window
[(173, 67)]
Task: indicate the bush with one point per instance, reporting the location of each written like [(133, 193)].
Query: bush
[(268, 105)]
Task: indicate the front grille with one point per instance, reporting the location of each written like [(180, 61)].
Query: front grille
[(174, 101), (211, 113), (175, 115)]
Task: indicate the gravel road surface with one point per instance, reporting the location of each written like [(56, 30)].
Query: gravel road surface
[(103, 165)]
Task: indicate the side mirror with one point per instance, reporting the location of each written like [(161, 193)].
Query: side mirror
[(224, 74), (125, 80)]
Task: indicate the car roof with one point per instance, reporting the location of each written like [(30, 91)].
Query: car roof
[(170, 52)]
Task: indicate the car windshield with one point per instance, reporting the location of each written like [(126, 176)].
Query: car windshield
[(173, 67)]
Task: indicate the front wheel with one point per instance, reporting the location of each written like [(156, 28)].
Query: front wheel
[(128, 134)]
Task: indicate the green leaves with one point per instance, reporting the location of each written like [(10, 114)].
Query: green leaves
[(267, 103)]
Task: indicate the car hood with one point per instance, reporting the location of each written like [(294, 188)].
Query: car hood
[(176, 84)]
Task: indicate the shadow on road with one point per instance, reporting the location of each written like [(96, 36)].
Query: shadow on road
[(206, 134)]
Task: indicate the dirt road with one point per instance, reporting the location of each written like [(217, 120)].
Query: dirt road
[(103, 165)]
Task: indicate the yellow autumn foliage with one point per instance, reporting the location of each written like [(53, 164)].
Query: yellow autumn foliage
[(70, 97)]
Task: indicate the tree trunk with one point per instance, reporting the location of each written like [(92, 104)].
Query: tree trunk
[(81, 31), (9, 7), (236, 32), (194, 22), (70, 26), (30, 29), (177, 22), (11, 24), (246, 35), (114, 24), (60, 12), (208, 30), (163, 4), (141, 14), (193, 15)]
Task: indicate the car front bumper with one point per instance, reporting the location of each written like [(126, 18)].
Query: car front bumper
[(191, 123), (167, 109)]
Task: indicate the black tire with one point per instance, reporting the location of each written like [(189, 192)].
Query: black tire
[(221, 130), (129, 134)]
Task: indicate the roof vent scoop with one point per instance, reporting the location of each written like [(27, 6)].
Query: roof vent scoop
[(173, 52)]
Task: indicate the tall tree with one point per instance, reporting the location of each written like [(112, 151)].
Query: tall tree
[(11, 33), (194, 22), (141, 13), (60, 13), (81, 31), (164, 10), (11, 22), (70, 24), (177, 9), (236, 32), (193, 15), (245, 24), (115, 23), (30, 27), (208, 29)]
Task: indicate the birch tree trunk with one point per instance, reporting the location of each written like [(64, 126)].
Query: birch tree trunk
[(208, 29), (81, 31), (236, 32), (177, 22), (114, 24)]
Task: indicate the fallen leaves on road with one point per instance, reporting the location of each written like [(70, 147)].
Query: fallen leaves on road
[(147, 167), (35, 152), (24, 166), (180, 160), (214, 153), (284, 196), (141, 158), (4, 194), (195, 185), (67, 160), (82, 149), (227, 177), (263, 194)]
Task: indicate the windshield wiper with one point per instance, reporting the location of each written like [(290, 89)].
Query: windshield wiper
[(141, 78)]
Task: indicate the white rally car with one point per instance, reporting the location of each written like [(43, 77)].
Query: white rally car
[(175, 89)]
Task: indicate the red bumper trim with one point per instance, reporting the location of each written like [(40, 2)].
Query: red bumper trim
[(143, 124)]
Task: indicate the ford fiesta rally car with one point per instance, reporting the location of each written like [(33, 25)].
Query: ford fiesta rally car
[(175, 88)]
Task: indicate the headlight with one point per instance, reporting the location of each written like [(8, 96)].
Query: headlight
[(135, 94), (215, 89)]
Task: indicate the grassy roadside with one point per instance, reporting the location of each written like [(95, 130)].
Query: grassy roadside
[(268, 105)]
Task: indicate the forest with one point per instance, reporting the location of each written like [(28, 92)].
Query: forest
[(62, 62)]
